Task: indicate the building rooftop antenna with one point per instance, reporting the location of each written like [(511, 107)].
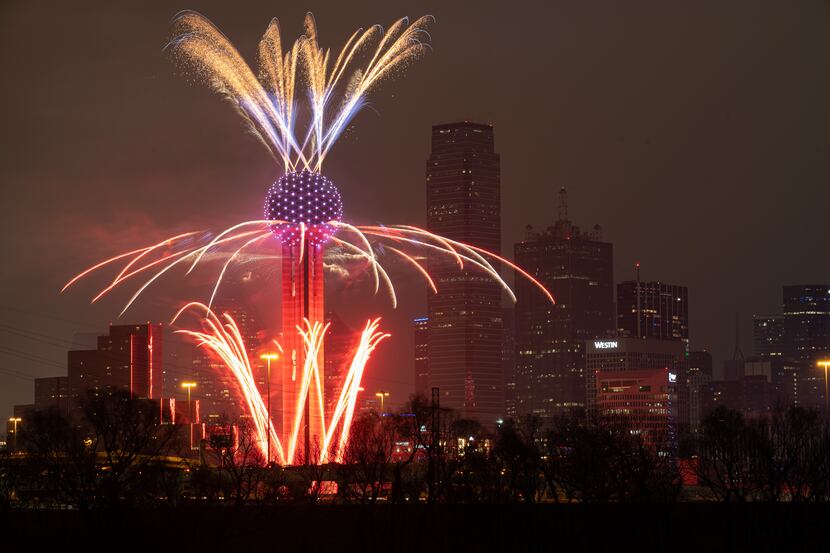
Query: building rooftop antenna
[(563, 204)]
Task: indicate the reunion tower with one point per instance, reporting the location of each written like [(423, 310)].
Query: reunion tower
[(307, 204)]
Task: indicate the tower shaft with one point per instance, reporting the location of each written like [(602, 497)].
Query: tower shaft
[(302, 299)]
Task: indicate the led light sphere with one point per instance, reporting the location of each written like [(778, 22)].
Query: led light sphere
[(303, 197)]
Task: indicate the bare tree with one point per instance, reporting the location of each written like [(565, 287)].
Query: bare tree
[(518, 451), (725, 463), (413, 426), (128, 436), (241, 459), (791, 456), (60, 461), (366, 465), (314, 477), (579, 461)]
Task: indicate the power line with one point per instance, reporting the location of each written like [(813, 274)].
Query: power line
[(16, 374)]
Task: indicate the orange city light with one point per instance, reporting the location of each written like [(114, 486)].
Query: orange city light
[(269, 356)]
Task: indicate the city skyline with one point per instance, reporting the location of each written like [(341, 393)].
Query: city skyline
[(149, 153)]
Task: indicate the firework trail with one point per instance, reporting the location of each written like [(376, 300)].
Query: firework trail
[(419, 242), (225, 341), (334, 86)]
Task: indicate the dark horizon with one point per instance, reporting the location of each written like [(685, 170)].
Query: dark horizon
[(696, 136)]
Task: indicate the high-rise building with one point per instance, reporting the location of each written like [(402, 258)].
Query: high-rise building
[(807, 322), (811, 387), (338, 344), (465, 326), (788, 347), (765, 384), (577, 268), (508, 360), (752, 395), (52, 391), (661, 311), (421, 328), (700, 362), (699, 377), (644, 400), (653, 310), (632, 354), (768, 335), (216, 388), (129, 358)]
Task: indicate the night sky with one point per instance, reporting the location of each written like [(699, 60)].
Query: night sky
[(696, 134)]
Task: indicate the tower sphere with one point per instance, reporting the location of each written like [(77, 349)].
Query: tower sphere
[(307, 198)]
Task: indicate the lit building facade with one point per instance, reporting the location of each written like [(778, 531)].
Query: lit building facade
[(577, 268), (421, 330), (633, 354), (660, 311), (465, 325), (653, 310), (129, 358), (645, 401), (508, 359), (768, 335), (807, 322)]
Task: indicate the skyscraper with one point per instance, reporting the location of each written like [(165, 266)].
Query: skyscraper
[(645, 399), (465, 326), (699, 378), (768, 335), (633, 354), (807, 322), (421, 330), (338, 344), (52, 391), (577, 268), (508, 359), (129, 358), (660, 311), (215, 386), (653, 310)]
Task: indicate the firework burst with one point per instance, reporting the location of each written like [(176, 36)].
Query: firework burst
[(333, 86)]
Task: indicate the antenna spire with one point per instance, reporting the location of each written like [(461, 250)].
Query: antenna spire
[(563, 204)]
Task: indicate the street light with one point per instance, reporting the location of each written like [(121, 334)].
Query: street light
[(381, 394), (15, 420), (269, 357), (824, 363), (189, 386)]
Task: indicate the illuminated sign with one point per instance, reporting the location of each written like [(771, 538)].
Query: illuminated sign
[(605, 345), (672, 377)]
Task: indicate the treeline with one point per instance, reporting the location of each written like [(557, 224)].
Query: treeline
[(118, 454)]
